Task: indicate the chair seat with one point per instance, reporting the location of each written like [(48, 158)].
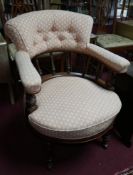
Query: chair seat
[(111, 40), (73, 108)]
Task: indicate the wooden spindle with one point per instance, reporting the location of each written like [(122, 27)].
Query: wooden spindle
[(88, 64), (84, 65), (68, 58), (52, 64), (98, 70), (38, 66)]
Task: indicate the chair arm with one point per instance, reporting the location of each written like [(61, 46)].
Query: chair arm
[(30, 78), (115, 62)]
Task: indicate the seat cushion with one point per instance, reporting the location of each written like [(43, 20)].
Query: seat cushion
[(73, 108), (112, 40)]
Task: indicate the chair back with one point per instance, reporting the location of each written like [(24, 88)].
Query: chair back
[(49, 30)]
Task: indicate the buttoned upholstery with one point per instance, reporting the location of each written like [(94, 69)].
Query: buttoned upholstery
[(49, 30), (68, 107)]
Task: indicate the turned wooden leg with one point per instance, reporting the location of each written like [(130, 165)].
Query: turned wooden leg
[(30, 103), (104, 141), (50, 156)]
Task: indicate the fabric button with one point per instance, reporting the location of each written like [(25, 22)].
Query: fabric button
[(39, 30), (61, 37), (45, 38), (54, 29)]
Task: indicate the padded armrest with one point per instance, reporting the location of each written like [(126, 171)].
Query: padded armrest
[(115, 62), (30, 78)]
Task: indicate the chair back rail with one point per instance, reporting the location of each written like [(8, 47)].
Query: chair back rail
[(74, 64)]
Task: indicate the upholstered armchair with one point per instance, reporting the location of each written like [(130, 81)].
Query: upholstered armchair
[(70, 106)]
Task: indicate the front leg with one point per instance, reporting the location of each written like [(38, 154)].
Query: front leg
[(30, 103)]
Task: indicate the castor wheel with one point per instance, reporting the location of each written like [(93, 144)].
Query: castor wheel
[(50, 163), (104, 141), (50, 155)]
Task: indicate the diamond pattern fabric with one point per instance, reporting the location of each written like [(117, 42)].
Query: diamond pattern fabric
[(115, 62), (49, 29), (73, 108), (57, 30), (29, 76)]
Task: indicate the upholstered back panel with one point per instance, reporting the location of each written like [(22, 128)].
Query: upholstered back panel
[(46, 30)]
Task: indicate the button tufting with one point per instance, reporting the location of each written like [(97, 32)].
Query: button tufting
[(61, 37), (45, 38), (71, 29), (54, 29), (39, 30), (78, 39)]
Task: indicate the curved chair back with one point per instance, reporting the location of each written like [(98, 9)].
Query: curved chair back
[(49, 30)]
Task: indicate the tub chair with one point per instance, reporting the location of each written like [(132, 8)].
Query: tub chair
[(75, 105)]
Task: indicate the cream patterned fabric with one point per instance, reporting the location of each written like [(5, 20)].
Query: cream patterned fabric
[(29, 76), (40, 31), (73, 108), (114, 61), (49, 30), (12, 52), (112, 40)]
